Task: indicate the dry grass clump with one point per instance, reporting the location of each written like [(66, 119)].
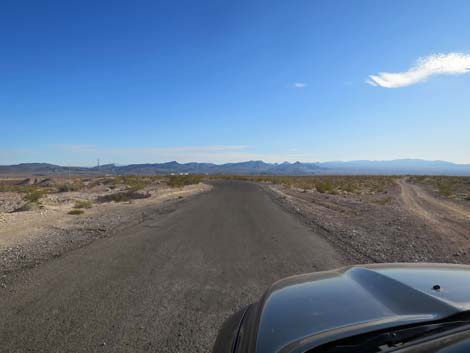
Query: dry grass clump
[(83, 204), (79, 207)]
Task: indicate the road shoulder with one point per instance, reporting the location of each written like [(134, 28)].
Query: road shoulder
[(31, 238)]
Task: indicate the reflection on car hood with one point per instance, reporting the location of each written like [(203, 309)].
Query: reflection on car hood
[(309, 310)]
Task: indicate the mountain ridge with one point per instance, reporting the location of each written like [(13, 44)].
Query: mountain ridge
[(252, 167)]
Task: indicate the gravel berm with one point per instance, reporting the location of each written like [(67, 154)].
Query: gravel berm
[(165, 285)]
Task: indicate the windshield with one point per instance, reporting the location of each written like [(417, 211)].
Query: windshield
[(388, 340)]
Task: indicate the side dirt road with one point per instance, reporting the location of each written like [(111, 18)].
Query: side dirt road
[(404, 223), (165, 284), (447, 217)]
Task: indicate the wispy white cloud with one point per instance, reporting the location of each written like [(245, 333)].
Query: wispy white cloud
[(299, 85), (438, 64)]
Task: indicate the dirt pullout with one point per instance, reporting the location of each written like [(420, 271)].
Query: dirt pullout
[(402, 224), (32, 237)]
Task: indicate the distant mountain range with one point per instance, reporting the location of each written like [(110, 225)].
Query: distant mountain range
[(398, 166)]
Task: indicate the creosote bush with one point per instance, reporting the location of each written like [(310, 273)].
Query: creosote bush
[(34, 195)]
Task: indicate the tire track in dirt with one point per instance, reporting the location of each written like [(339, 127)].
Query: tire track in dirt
[(445, 216)]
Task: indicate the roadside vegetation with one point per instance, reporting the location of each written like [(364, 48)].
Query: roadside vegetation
[(40, 192), (136, 182), (335, 184), (80, 206), (32, 199), (177, 181)]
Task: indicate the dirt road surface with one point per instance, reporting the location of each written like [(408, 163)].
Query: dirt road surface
[(165, 285), (448, 217)]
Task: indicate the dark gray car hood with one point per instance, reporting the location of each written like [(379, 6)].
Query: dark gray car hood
[(309, 310)]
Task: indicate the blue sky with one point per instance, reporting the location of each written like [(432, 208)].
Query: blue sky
[(220, 81)]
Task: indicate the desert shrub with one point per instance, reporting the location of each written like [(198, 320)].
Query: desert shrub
[(34, 195), (68, 187), (135, 182), (82, 204), (444, 188), (347, 187), (325, 187), (76, 212), (176, 181), (467, 198), (123, 196)]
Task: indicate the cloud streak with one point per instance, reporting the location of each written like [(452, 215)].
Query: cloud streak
[(438, 64), (299, 85)]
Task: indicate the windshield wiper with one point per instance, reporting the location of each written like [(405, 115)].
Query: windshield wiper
[(383, 341)]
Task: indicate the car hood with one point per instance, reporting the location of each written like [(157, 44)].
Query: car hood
[(302, 312)]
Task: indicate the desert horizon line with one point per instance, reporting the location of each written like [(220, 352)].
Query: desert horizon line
[(243, 161)]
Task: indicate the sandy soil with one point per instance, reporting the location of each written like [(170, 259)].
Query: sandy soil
[(405, 223)]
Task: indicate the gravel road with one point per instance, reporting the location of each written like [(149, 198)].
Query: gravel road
[(167, 284)]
